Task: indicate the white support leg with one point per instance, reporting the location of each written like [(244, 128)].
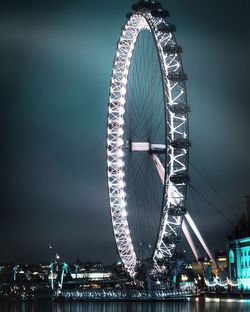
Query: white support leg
[(187, 234), (146, 147), (159, 167), (161, 172), (198, 235)]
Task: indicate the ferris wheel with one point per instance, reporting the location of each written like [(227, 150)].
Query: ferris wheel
[(147, 138)]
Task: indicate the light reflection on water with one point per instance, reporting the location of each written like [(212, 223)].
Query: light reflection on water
[(47, 306)]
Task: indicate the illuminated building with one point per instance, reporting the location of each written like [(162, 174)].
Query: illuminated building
[(239, 251)]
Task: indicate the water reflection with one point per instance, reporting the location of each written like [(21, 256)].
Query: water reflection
[(124, 307), (47, 306)]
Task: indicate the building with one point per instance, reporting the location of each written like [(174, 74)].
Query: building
[(239, 251)]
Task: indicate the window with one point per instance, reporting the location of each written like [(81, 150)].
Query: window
[(231, 256)]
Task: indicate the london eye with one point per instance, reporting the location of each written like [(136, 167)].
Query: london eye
[(147, 139)]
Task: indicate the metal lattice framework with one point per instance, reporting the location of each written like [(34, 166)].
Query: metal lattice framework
[(150, 17)]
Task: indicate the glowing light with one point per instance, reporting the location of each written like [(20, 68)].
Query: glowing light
[(184, 277), (121, 174), (120, 142), (160, 256), (120, 131), (120, 163), (97, 275), (120, 120), (121, 184), (122, 101), (124, 80), (123, 91), (123, 205), (120, 153), (122, 194), (121, 110)]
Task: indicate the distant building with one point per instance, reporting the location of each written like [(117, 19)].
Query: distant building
[(239, 251)]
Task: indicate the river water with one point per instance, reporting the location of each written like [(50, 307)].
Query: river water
[(48, 306)]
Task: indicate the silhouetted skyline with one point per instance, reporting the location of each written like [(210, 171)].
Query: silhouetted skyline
[(56, 61)]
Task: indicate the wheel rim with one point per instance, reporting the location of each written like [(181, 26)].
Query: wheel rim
[(176, 141)]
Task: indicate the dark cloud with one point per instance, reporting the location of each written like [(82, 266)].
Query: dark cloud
[(56, 60)]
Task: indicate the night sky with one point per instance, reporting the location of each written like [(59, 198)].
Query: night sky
[(55, 66)]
